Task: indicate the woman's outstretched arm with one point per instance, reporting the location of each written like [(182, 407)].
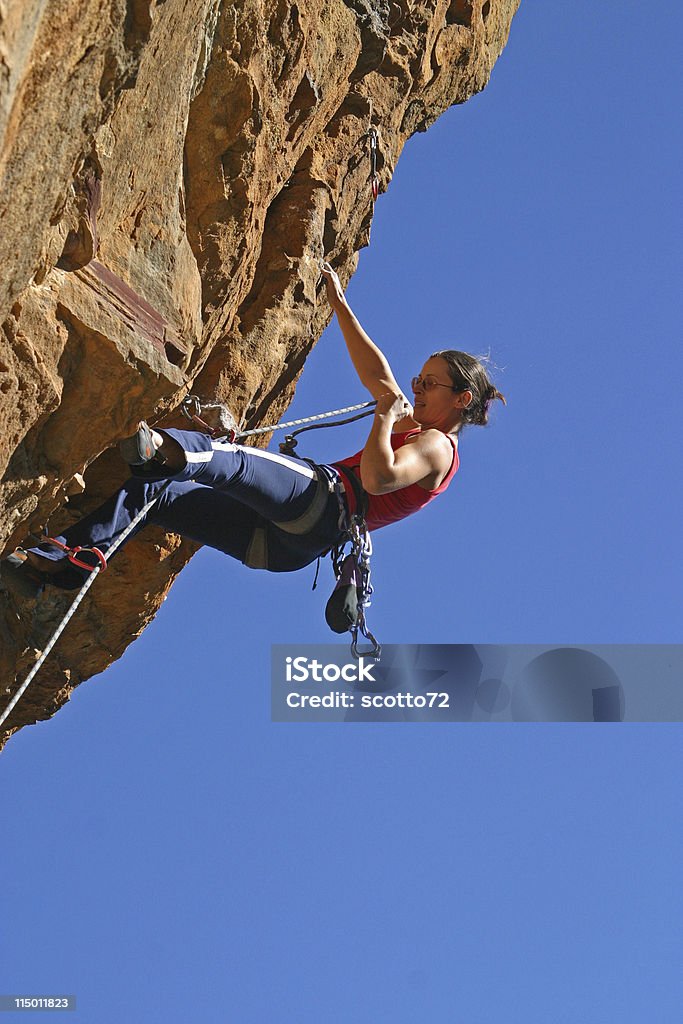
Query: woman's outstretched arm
[(370, 362)]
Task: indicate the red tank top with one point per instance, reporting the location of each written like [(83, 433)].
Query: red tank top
[(390, 508)]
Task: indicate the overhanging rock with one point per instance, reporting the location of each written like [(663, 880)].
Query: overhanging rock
[(170, 175)]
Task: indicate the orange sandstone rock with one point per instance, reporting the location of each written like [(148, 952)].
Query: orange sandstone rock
[(170, 174)]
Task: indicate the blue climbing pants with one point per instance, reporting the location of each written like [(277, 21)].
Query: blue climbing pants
[(228, 497)]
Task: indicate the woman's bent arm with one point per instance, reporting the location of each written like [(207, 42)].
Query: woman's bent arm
[(425, 460)]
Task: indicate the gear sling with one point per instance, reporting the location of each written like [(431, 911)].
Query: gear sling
[(345, 609)]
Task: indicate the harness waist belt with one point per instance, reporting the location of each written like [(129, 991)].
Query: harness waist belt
[(315, 511), (356, 487)]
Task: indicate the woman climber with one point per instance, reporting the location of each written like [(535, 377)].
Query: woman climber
[(273, 511)]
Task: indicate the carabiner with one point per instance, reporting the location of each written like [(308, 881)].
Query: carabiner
[(375, 651)]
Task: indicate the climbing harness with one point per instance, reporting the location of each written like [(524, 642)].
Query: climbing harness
[(352, 593), (355, 590), (100, 565)]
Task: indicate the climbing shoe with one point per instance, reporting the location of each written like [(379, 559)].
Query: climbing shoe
[(19, 577), (140, 448)]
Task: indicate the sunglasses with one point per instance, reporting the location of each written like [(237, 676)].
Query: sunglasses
[(427, 383)]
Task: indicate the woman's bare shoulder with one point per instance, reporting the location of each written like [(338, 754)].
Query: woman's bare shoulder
[(434, 444)]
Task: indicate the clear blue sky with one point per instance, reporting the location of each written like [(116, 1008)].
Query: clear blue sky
[(171, 855)]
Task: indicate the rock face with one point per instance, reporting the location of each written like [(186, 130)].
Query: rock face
[(171, 173)]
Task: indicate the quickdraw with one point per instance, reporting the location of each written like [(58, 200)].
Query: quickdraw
[(361, 549), (373, 139), (192, 408)]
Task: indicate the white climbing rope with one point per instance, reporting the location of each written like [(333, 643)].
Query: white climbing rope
[(193, 402), (304, 419), (72, 609)]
